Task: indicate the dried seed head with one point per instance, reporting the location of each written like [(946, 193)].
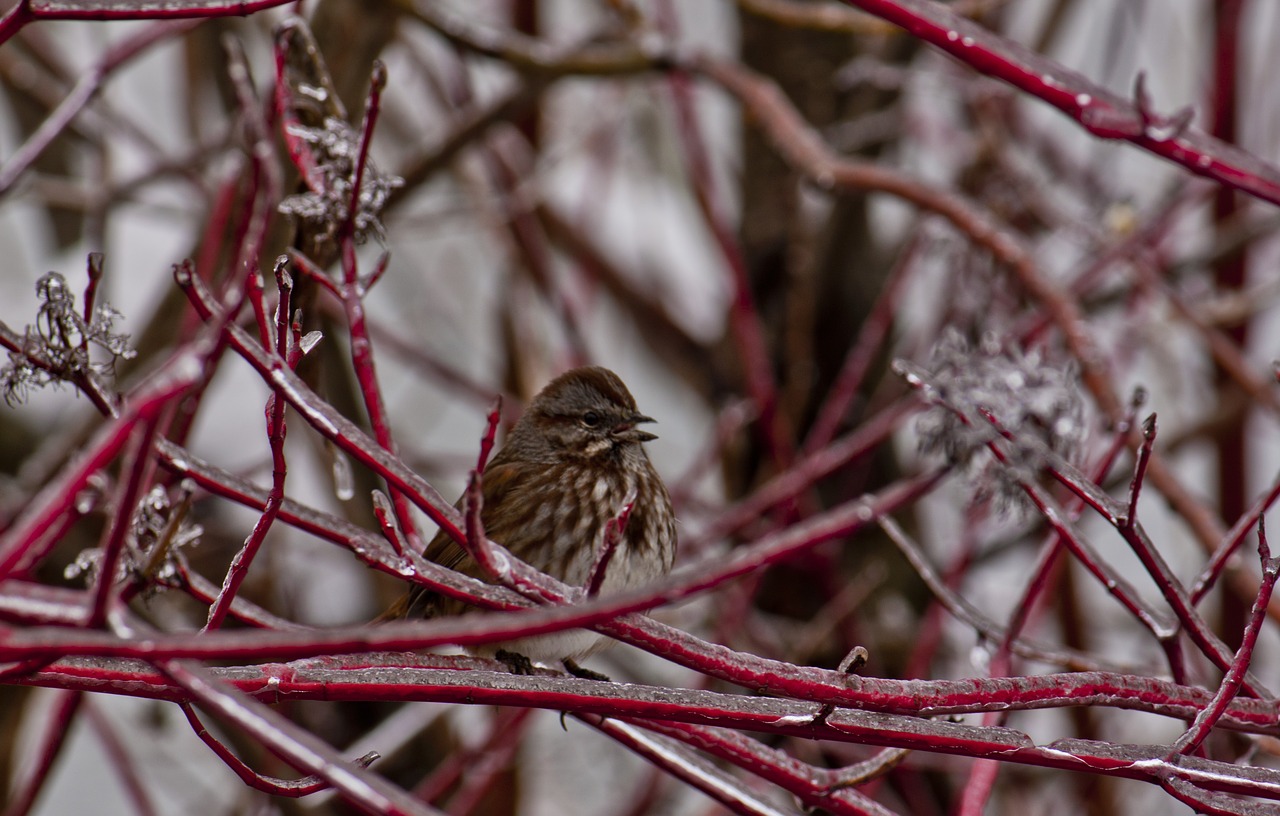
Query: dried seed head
[(158, 533), (324, 207), (1036, 401), (59, 347)]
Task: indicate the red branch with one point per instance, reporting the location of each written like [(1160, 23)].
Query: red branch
[(292, 788), (132, 485), (284, 351), (813, 724), (613, 532), (367, 791), (85, 89), (1096, 109), (56, 731), (26, 539), (1239, 667), (233, 690)]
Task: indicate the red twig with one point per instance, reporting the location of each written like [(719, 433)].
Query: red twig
[(872, 335), (332, 425), (1140, 470), (729, 423), (276, 431), (806, 472), (379, 269), (15, 19), (458, 382), (763, 714), (85, 89), (291, 788), (818, 788), (485, 765), (439, 679), (315, 273), (125, 765), (373, 104), (978, 787), (206, 592), (386, 516), (490, 433), (255, 293), (263, 188), (507, 727), (103, 399), (842, 520), (351, 292), (1043, 570), (1232, 541), (57, 730), (1057, 520), (495, 563), (27, 11), (744, 315), (25, 540), (38, 622), (1170, 587), (1239, 667), (801, 147), (614, 529), (94, 268), (1099, 111), (22, 668), (682, 763), (132, 485), (367, 791), (965, 612), (482, 629)]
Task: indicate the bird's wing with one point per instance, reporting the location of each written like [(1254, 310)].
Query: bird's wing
[(499, 478)]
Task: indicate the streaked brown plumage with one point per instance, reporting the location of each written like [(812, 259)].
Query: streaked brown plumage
[(570, 464)]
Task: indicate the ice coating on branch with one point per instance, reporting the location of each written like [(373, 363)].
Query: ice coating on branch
[(1161, 131), (344, 482), (309, 341)]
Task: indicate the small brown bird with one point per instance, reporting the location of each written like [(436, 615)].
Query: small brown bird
[(570, 464)]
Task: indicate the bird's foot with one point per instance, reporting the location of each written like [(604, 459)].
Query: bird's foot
[(515, 662), (573, 668)]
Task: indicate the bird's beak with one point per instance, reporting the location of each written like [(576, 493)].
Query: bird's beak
[(628, 432)]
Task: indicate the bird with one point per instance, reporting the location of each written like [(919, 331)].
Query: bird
[(569, 466)]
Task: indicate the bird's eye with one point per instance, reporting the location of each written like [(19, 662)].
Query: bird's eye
[(591, 419)]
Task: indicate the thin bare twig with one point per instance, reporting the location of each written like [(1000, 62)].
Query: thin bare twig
[(1234, 678)]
